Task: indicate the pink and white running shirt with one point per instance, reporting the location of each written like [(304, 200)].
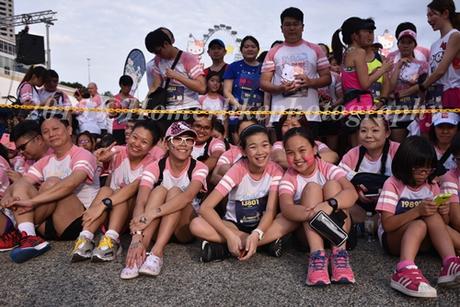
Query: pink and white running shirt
[(286, 61), (77, 159), (230, 156), (122, 173), (294, 183), (398, 198), (151, 175), (247, 197), (4, 180), (216, 145), (450, 183), (179, 96), (350, 160)]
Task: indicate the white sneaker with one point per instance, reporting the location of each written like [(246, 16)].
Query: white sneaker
[(151, 266), (129, 273)]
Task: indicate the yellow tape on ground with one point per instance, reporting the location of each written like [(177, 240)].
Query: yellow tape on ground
[(230, 113)]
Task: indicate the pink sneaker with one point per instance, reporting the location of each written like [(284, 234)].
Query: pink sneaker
[(411, 281), (340, 267), (450, 273), (318, 274)]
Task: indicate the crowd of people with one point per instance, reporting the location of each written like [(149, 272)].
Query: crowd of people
[(243, 184)]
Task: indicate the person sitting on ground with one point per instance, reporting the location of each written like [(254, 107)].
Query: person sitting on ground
[(68, 185)]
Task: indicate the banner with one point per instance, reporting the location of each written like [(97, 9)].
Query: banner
[(135, 67)]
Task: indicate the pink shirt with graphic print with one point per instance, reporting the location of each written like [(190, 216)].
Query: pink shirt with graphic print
[(77, 159)]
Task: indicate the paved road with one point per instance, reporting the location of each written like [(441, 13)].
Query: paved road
[(51, 280)]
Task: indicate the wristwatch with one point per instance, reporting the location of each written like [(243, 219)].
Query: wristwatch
[(333, 203), (107, 202), (260, 233)]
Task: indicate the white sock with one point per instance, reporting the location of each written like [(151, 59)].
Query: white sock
[(28, 227), (87, 234), (112, 234)]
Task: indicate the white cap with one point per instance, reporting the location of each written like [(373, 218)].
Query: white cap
[(445, 118)]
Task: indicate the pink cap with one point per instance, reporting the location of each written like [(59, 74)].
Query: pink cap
[(408, 33), (5, 141), (178, 128)]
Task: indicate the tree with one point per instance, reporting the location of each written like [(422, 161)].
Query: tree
[(72, 84)]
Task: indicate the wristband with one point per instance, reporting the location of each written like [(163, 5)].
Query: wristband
[(260, 233)]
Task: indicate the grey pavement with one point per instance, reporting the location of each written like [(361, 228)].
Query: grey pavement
[(51, 280)]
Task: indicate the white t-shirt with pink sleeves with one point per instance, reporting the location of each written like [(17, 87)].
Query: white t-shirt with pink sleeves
[(293, 183), (4, 180), (287, 60), (216, 145), (151, 175), (450, 183), (247, 197), (179, 96), (77, 159), (398, 198), (230, 156), (121, 170), (350, 161)]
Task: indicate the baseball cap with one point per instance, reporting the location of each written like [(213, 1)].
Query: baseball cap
[(408, 33), (5, 141), (178, 128), (445, 118), (217, 42)]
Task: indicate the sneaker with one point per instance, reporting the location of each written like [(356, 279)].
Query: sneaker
[(213, 251), (82, 250), (151, 266), (29, 247), (129, 273), (9, 240), (275, 248), (107, 250), (341, 269), (450, 273), (411, 281), (318, 274)]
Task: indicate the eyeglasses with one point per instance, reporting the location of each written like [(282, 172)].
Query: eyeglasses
[(292, 25), (83, 142), (22, 147), (179, 140), (423, 171)]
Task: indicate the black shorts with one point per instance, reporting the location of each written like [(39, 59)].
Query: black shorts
[(242, 227), (69, 234)]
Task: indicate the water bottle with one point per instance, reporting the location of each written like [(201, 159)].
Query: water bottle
[(369, 226)]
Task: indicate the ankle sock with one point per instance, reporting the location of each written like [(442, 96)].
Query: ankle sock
[(28, 227), (87, 234), (112, 234), (404, 263)]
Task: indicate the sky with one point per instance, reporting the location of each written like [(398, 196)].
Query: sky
[(106, 30)]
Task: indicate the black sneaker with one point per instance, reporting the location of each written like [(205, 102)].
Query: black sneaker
[(275, 248), (213, 251)]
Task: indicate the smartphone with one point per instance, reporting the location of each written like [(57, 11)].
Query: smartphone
[(441, 198)]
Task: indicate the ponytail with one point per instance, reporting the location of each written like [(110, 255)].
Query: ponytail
[(39, 71), (337, 47), (383, 160)]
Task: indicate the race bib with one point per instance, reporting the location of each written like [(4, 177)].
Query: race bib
[(249, 212), (405, 205)]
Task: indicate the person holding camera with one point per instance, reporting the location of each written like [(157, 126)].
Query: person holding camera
[(51, 96)]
